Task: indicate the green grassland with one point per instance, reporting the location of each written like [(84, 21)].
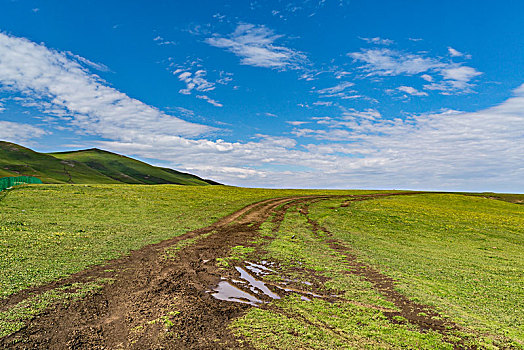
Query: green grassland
[(91, 166), (349, 323), (461, 254), (51, 231)]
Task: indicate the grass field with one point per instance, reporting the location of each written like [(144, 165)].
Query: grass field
[(52, 231), (459, 254), (463, 254)]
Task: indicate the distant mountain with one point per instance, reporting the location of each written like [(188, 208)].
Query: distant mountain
[(88, 166)]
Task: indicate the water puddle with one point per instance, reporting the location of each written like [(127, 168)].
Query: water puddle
[(258, 269), (227, 291), (256, 285), (250, 290)]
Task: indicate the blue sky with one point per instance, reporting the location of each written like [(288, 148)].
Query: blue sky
[(318, 94)]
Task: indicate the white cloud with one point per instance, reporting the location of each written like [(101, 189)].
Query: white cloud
[(255, 45), (378, 41), (59, 86), (456, 79), (16, 132), (449, 151), (460, 73), (391, 62), (454, 53), (412, 91), (161, 41), (323, 103), (296, 122), (194, 81), (386, 62), (339, 91), (210, 100), (362, 149), (225, 78), (85, 61), (427, 77), (267, 114), (337, 88), (341, 74)]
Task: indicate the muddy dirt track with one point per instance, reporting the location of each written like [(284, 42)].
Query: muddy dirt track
[(134, 311)]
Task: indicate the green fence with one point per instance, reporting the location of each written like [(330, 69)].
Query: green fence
[(6, 182)]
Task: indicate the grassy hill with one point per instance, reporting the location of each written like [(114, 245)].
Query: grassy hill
[(87, 166)]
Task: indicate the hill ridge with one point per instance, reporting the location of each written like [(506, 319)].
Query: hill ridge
[(91, 165)]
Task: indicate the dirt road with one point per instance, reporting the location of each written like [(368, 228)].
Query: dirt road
[(152, 294)]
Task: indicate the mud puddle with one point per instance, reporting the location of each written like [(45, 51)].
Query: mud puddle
[(252, 290), (228, 292)]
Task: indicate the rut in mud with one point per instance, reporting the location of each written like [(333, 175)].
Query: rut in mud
[(164, 303), (424, 316)]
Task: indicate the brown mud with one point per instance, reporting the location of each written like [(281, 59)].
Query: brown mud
[(165, 303)]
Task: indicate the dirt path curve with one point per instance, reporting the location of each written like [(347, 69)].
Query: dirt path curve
[(154, 302), (161, 303)]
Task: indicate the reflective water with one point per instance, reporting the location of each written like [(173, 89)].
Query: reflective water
[(236, 290), (227, 291), (256, 284)]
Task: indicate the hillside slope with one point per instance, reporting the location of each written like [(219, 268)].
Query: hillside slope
[(87, 166), (128, 170), (16, 160)]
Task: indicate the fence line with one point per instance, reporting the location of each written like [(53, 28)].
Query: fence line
[(7, 182)]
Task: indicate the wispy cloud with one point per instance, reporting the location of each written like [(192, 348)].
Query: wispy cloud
[(362, 149), (456, 78), (411, 91), (85, 61), (255, 45), (454, 53), (210, 100), (391, 62), (61, 87), (385, 62), (378, 41), (358, 148), (194, 81), (16, 132), (323, 103), (296, 122), (161, 41), (340, 91), (421, 151)]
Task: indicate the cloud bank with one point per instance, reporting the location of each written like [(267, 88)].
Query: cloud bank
[(62, 88), (358, 148)]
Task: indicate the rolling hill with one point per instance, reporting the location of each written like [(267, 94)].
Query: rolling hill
[(88, 166)]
